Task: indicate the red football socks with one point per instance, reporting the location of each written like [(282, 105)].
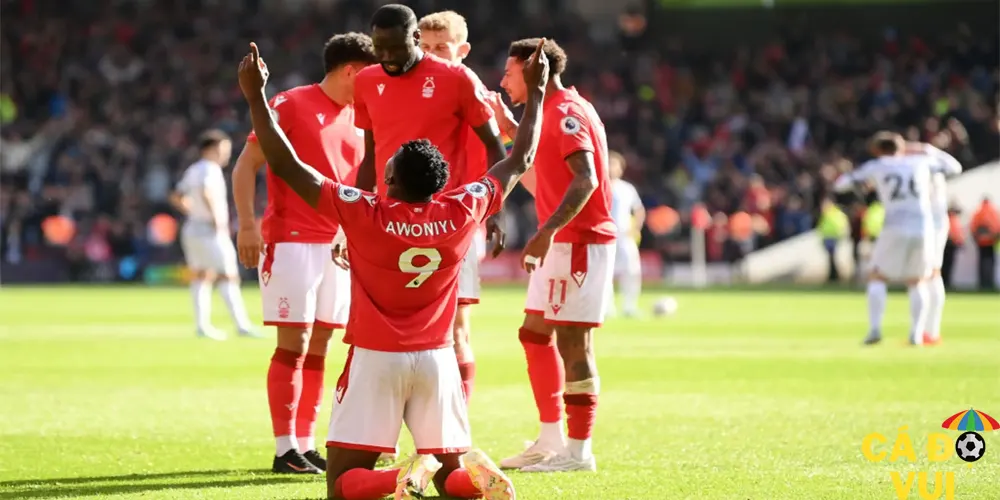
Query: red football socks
[(581, 413), (546, 373), (364, 484), (284, 386), (459, 485), (468, 373), (313, 369)]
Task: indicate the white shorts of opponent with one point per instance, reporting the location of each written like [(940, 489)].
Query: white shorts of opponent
[(300, 286), (379, 391), (206, 249), (627, 260), (901, 257), (572, 285)]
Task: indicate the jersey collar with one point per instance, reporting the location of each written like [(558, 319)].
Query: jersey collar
[(558, 96)]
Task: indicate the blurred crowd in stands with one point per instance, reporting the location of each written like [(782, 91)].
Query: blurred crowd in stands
[(100, 106)]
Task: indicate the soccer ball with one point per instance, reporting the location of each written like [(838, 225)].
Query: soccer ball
[(664, 306), (970, 446)]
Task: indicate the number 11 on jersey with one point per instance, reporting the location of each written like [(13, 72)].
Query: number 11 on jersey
[(424, 270)]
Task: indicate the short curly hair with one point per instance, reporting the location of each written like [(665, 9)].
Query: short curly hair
[(523, 49), (420, 169), (346, 49)]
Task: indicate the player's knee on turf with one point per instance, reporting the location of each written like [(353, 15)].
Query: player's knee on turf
[(874, 275), (576, 348), (295, 339), (340, 460), (449, 463)]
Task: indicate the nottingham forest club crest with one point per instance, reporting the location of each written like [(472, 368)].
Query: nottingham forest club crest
[(428, 89), (283, 308)]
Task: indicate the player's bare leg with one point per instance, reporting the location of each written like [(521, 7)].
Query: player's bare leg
[(546, 372), (201, 297), (463, 349), (582, 388), (229, 289), (472, 475), (876, 293), (919, 302), (311, 396), (284, 388), (935, 311)]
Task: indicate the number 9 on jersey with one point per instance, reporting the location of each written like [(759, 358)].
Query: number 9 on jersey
[(424, 270)]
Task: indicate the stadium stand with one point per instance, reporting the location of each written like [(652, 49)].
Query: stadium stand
[(100, 103)]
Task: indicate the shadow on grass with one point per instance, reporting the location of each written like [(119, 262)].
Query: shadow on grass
[(129, 477), (140, 483)]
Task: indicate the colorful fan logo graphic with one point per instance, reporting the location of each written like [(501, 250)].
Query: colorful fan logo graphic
[(970, 446), (971, 420)]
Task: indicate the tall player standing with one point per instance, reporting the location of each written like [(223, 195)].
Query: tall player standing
[(305, 295), (446, 35), (905, 249), (406, 252), (446, 103), (205, 237), (571, 260)]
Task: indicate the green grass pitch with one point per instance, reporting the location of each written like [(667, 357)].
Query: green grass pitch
[(742, 395)]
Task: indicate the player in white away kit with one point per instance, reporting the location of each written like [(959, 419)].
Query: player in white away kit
[(905, 250), (208, 249), (629, 216), (939, 215)]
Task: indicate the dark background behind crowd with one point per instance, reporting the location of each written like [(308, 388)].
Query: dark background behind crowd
[(100, 102)]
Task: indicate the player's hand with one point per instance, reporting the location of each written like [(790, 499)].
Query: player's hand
[(253, 73), (249, 245), (500, 109), (536, 71), (495, 232), (339, 255), (536, 250)]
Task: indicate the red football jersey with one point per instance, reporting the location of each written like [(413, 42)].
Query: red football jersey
[(405, 259), (476, 163), (571, 124), (474, 167), (324, 136), (436, 100)]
